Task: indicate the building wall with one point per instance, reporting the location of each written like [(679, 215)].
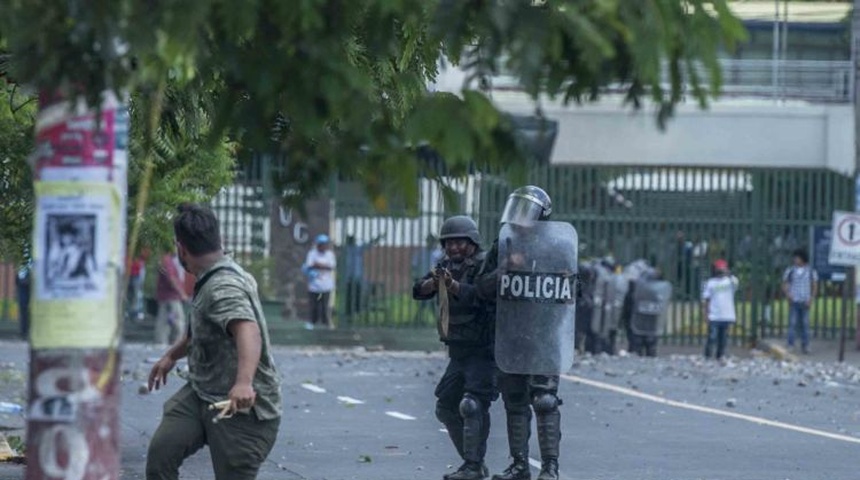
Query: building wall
[(749, 133)]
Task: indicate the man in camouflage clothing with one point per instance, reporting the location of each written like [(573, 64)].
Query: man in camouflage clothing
[(227, 345)]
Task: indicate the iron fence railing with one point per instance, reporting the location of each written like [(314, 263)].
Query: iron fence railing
[(817, 81), (680, 219)]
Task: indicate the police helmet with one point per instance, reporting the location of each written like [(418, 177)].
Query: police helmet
[(460, 226), (609, 262), (527, 205)]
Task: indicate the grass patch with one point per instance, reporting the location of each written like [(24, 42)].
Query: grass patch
[(825, 319), (8, 310), (389, 311)]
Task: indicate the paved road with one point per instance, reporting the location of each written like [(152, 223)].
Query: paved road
[(622, 424)]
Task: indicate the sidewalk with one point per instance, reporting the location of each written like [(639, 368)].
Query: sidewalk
[(821, 351)]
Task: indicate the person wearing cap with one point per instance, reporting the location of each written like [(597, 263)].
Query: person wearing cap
[(718, 307), (466, 326), (319, 267)]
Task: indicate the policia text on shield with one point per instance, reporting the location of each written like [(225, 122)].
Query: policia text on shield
[(534, 339)]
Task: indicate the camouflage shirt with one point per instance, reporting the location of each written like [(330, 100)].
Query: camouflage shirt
[(212, 355)]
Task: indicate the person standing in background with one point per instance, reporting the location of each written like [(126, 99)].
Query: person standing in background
[(319, 268), (170, 294), (718, 307), (354, 266), (800, 285), (22, 285), (136, 277)]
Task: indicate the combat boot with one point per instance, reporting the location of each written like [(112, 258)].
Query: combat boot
[(549, 469), (518, 470), (469, 471)]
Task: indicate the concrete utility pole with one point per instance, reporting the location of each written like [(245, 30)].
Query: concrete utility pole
[(855, 95), (80, 169)]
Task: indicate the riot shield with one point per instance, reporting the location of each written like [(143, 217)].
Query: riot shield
[(636, 269), (610, 289), (536, 298), (651, 300), (601, 295), (618, 286)]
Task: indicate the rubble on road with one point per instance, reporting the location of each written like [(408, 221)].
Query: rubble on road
[(9, 454)]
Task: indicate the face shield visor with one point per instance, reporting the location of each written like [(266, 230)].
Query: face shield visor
[(521, 210)]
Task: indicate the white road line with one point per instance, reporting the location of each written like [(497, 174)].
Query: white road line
[(709, 410), (350, 400), (313, 388), (401, 416)]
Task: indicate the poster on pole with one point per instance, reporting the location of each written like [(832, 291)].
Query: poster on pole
[(845, 242), (75, 275)]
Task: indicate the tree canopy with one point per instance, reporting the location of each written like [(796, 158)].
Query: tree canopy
[(336, 86)]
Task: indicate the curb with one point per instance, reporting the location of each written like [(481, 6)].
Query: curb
[(776, 352)]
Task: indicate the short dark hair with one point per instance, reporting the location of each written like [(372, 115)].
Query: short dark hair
[(196, 228), (801, 254)]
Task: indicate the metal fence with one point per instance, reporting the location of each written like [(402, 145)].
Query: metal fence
[(243, 211), (813, 80), (680, 219)]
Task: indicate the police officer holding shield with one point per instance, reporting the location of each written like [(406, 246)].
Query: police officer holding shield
[(467, 388), (533, 267), (646, 305)]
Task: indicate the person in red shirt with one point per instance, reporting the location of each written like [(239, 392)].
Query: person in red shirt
[(170, 295), (136, 277)]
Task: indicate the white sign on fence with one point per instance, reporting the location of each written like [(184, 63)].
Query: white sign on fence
[(845, 244)]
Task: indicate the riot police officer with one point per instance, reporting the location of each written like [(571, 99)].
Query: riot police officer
[(467, 388), (22, 284), (645, 306), (609, 289), (523, 393)]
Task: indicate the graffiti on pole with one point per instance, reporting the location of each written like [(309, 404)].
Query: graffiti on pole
[(80, 163)]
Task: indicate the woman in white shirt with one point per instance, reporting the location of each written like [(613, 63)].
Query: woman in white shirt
[(319, 268), (718, 307)]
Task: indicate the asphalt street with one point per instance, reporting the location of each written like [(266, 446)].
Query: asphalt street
[(352, 414)]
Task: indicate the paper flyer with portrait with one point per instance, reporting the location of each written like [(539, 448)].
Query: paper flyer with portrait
[(77, 237)]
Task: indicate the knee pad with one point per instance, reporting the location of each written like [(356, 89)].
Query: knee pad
[(446, 415), (545, 402), (470, 406)]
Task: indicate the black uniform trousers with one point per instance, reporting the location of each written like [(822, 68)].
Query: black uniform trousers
[(473, 373), (470, 373)]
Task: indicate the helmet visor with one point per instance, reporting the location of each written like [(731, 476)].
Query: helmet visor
[(521, 211)]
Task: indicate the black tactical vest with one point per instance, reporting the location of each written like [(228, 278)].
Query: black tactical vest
[(469, 324)]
